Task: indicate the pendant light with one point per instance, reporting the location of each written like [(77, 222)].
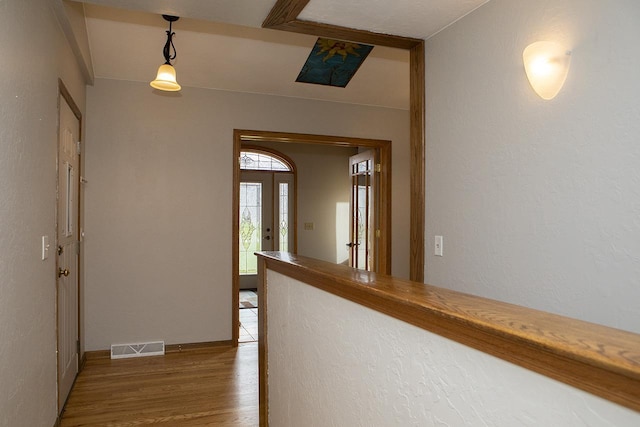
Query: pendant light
[(166, 78)]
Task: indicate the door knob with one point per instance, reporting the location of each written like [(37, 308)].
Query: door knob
[(62, 272), (267, 237), (350, 244)]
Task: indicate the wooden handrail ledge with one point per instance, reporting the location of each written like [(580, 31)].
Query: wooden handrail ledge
[(600, 360)]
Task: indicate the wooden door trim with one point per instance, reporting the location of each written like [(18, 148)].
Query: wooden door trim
[(241, 136), (63, 93), (417, 166), (284, 17)]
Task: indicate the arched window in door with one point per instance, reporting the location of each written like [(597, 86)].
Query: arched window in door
[(266, 206), (253, 159)]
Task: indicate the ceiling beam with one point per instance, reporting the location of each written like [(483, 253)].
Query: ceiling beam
[(349, 34), (284, 11)]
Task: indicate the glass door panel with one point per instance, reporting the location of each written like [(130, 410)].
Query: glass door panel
[(250, 226), (284, 212), (255, 223), (362, 246)]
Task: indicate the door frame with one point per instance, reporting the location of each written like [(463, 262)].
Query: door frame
[(383, 148), (63, 93)]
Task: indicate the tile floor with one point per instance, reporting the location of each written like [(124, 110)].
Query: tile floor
[(248, 324)]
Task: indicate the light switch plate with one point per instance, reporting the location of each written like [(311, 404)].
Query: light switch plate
[(438, 246), (308, 226), (45, 247)]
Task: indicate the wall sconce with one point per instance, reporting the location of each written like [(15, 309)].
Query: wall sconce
[(166, 78), (547, 66)]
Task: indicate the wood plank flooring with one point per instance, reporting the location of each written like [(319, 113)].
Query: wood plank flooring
[(214, 386)]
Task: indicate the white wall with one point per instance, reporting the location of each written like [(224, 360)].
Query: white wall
[(538, 201), (324, 188), (34, 55), (334, 362), (158, 202)]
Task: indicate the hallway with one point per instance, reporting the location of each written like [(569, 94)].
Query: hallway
[(214, 386)]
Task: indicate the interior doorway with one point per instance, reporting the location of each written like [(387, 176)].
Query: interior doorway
[(382, 149)]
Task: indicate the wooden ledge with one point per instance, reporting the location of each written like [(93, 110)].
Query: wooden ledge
[(600, 360)]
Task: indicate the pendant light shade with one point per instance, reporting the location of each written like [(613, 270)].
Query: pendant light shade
[(166, 77)]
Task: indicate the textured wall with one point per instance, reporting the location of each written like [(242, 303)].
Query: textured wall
[(158, 202), (335, 363), (538, 201), (34, 54)]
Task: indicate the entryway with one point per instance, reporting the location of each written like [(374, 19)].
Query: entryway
[(266, 222)]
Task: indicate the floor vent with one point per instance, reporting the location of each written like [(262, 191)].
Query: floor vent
[(121, 351)]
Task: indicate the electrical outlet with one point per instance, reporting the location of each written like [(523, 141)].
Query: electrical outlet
[(438, 246)]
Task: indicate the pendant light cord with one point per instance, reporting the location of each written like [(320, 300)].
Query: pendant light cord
[(167, 47)]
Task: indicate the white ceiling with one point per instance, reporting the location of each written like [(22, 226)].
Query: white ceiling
[(419, 19), (221, 45)]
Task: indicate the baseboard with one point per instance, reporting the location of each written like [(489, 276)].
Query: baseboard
[(83, 361), (177, 348), (97, 354), (168, 349)]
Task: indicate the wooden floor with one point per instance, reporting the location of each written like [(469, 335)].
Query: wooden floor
[(217, 386)]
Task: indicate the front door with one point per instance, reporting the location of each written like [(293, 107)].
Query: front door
[(256, 223), (363, 217), (266, 207), (67, 249)]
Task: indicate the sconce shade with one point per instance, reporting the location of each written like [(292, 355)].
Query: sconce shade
[(547, 66), (166, 79)]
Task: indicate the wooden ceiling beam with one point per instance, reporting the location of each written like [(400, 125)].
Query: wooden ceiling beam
[(284, 11)]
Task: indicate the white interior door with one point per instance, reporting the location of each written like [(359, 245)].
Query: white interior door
[(67, 250), (256, 223)]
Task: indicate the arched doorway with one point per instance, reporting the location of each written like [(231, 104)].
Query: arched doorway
[(266, 208), (267, 212)]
